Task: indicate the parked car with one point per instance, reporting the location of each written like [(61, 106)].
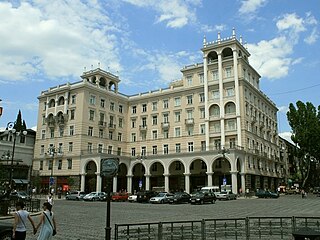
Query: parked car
[(132, 198), (180, 197), (19, 196), (203, 197), (293, 190), (119, 197), (95, 196), (226, 195), (266, 194), (144, 196), (162, 197), (5, 231), (75, 195)]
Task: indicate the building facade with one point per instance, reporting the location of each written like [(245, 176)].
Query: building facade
[(214, 126)]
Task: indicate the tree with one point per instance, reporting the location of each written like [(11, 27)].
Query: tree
[(305, 124), (18, 125)]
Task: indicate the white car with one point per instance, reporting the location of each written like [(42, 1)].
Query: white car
[(95, 196), (162, 197), (226, 195), (132, 198)]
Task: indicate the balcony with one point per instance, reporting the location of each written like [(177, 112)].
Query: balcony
[(165, 125), (111, 126), (102, 124), (262, 125), (253, 119), (143, 128), (189, 121), (51, 123)]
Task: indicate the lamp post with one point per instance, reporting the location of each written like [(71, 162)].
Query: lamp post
[(51, 151), (10, 128)]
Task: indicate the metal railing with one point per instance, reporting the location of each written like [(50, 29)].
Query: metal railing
[(248, 228)]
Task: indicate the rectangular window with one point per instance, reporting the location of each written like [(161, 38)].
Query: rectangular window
[(89, 147), (165, 149), (202, 113), (120, 122), (42, 150), (110, 150), (92, 100), (41, 165), (215, 94), (110, 135), (61, 131), (100, 148), (100, 133), (202, 129), (230, 92), (177, 116), (189, 99), (90, 131), (133, 151), (190, 131), (228, 72), (144, 122), (203, 145), (134, 109), (165, 118), (60, 148), (102, 103), (154, 150), (91, 115), (72, 114), (165, 134), (154, 134), (73, 99), (59, 164), (119, 137), (70, 147), (201, 78), (177, 132), (178, 147), (69, 163), (216, 127), (154, 120), (201, 97), (143, 151), (133, 123), (119, 150), (190, 146), (133, 137), (51, 132), (120, 109), (144, 107), (231, 125), (189, 114), (215, 75), (154, 106), (165, 104), (111, 106), (177, 102), (189, 80), (43, 134), (50, 164)]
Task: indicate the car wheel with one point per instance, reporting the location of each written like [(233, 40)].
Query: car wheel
[(77, 199), (162, 202), (6, 236), (93, 199), (201, 202)]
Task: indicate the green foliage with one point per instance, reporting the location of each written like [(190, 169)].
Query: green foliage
[(18, 123), (305, 124)]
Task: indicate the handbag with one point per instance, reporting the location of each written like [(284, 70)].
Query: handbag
[(54, 230)]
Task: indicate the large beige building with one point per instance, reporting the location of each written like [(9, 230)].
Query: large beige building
[(213, 127)]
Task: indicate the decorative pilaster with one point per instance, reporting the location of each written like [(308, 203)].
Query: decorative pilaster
[(187, 182), (98, 186), (83, 181), (129, 183), (166, 182), (234, 182), (210, 174), (147, 182)]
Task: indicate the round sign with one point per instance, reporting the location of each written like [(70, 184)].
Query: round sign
[(109, 167)]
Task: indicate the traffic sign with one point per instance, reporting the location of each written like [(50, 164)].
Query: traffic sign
[(51, 180), (224, 181)]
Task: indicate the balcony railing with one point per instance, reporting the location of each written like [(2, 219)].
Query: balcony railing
[(189, 121), (111, 126), (165, 125), (143, 127), (102, 124)]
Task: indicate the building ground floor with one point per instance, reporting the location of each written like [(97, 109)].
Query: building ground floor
[(171, 173)]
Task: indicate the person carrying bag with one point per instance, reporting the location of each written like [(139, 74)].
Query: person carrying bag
[(48, 223)]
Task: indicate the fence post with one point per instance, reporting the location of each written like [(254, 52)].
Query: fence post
[(203, 229), (160, 231), (115, 232), (247, 222), (293, 223)]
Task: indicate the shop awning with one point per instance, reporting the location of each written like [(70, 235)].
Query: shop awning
[(20, 181)]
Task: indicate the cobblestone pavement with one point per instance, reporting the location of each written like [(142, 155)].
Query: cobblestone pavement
[(87, 220)]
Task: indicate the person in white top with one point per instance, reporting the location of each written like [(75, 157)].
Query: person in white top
[(20, 220), (50, 199)]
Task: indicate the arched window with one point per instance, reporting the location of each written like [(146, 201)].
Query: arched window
[(61, 101), (230, 108), (215, 111), (52, 103)]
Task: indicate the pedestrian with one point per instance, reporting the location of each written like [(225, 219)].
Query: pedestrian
[(49, 227), (19, 224), (50, 199)]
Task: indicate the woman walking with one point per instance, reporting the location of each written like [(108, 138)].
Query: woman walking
[(20, 220), (48, 223)]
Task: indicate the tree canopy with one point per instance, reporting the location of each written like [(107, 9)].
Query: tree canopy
[(304, 120)]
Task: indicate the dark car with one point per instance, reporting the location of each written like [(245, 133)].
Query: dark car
[(144, 196), (266, 194), (5, 231), (180, 197), (201, 198), (19, 196)]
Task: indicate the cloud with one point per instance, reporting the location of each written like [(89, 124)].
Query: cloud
[(249, 8), (175, 13), (313, 37), (209, 29), (286, 136), (51, 38), (283, 109)]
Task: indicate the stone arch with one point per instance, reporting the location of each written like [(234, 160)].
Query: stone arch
[(230, 108), (93, 79), (221, 167), (198, 178), (112, 86), (138, 170), (156, 171), (176, 169), (122, 177), (61, 101), (60, 117), (227, 53), (52, 103), (90, 168), (214, 110), (102, 82), (212, 56)]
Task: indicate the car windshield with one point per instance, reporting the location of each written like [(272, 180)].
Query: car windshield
[(161, 195), (224, 192), (199, 194), (23, 194)]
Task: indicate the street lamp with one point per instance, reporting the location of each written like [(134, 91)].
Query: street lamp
[(10, 129), (51, 152)]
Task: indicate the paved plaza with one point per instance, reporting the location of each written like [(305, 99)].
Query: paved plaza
[(87, 220)]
